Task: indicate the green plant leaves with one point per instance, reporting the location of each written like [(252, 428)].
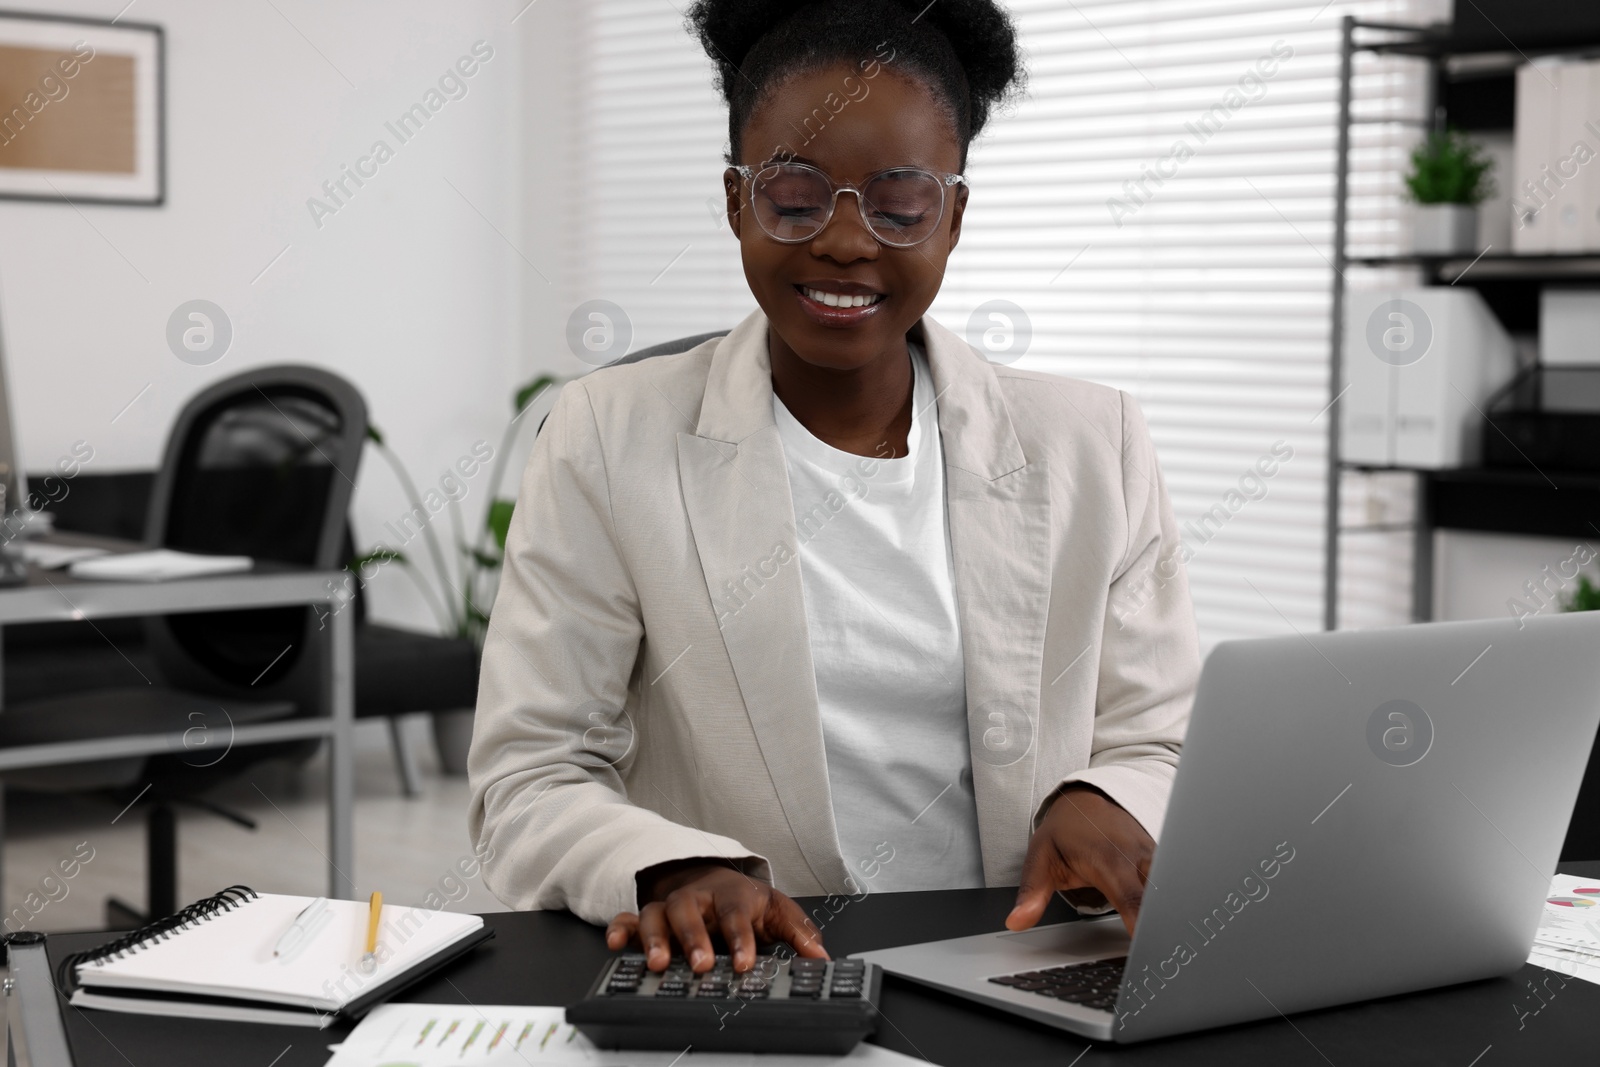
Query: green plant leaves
[(1584, 598), (478, 564), (1450, 168), (525, 395), (499, 520)]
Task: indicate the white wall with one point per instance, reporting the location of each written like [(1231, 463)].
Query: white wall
[(415, 290)]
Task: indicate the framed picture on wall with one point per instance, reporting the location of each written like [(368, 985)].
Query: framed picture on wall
[(80, 110)]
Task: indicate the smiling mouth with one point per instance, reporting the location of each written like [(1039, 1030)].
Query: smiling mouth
[(839, 300)]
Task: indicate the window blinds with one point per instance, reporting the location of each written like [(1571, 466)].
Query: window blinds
[(1156, 214)]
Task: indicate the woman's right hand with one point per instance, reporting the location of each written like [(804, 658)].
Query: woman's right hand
[(689, 900)]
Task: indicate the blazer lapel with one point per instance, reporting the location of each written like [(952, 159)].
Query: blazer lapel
[(1000, 542), (735, 486)]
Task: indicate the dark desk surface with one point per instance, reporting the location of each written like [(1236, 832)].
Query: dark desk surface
[(551, 957)]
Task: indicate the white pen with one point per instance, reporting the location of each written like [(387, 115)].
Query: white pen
[(300, 927)]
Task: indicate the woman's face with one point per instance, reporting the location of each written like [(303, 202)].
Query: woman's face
[(885, 121)]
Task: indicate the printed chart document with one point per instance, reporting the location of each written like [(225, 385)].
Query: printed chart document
[(432, 1035), (1568, 940)]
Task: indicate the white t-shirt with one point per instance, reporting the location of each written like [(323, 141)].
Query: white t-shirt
[(880, 600)]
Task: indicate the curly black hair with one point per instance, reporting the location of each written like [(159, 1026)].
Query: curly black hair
[(965, 50)]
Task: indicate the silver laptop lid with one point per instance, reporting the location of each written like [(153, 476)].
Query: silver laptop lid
[(1362, 813)]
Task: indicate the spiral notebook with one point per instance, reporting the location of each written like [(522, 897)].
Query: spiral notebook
[(214, 960)]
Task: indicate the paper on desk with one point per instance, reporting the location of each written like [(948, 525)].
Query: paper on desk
[(1568, 939), (432, 1035), (53, 557), (156, 565)]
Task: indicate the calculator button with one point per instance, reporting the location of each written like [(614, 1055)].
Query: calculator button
[(845, 992)]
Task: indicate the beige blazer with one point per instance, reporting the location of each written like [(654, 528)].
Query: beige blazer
[(647, 690)]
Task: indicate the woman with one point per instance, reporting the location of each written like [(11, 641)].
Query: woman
[(833, 604)]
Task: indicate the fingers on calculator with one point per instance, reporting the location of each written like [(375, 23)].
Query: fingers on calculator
[(661, 928)]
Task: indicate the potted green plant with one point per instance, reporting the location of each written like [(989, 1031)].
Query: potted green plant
[(459, 585), (1450, 176), (1586, 597)]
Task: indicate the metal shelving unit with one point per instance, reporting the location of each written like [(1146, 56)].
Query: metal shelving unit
[(1501, 500)]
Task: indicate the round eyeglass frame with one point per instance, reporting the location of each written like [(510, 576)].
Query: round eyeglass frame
[(945, 181)]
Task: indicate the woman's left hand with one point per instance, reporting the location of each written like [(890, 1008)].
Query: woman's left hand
[(1090, 848)]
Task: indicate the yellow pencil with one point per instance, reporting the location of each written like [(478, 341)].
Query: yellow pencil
[(369, 961)]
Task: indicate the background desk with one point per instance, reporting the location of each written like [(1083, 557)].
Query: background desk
[(551, 957), (51, 596)]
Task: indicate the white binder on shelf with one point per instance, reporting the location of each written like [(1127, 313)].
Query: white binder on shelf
[(1533, 146), (1573, 144), (1420, 363), (1589, 181)]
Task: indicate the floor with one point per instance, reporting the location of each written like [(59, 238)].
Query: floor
[(409, 849)]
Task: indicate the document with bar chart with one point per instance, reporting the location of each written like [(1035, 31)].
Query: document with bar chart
[(433, 1035)]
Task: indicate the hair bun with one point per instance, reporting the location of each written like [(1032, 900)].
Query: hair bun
[(978, 34)]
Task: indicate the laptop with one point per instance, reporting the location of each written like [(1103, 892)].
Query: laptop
[(1356, 814)]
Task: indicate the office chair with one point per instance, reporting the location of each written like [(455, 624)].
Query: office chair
[(261, 464)]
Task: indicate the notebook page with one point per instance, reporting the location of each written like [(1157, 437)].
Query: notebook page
[(231, 953)]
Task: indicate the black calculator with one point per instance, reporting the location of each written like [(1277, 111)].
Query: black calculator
[(794, 1004)]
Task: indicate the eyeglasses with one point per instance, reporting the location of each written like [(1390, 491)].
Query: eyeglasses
[(793, 202)]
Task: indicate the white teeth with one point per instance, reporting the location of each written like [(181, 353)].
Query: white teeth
[(834, 300)]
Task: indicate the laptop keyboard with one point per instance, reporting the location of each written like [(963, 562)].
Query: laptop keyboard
[(1094, 985)]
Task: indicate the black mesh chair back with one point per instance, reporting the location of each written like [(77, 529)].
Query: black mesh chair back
[(262, 464)]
